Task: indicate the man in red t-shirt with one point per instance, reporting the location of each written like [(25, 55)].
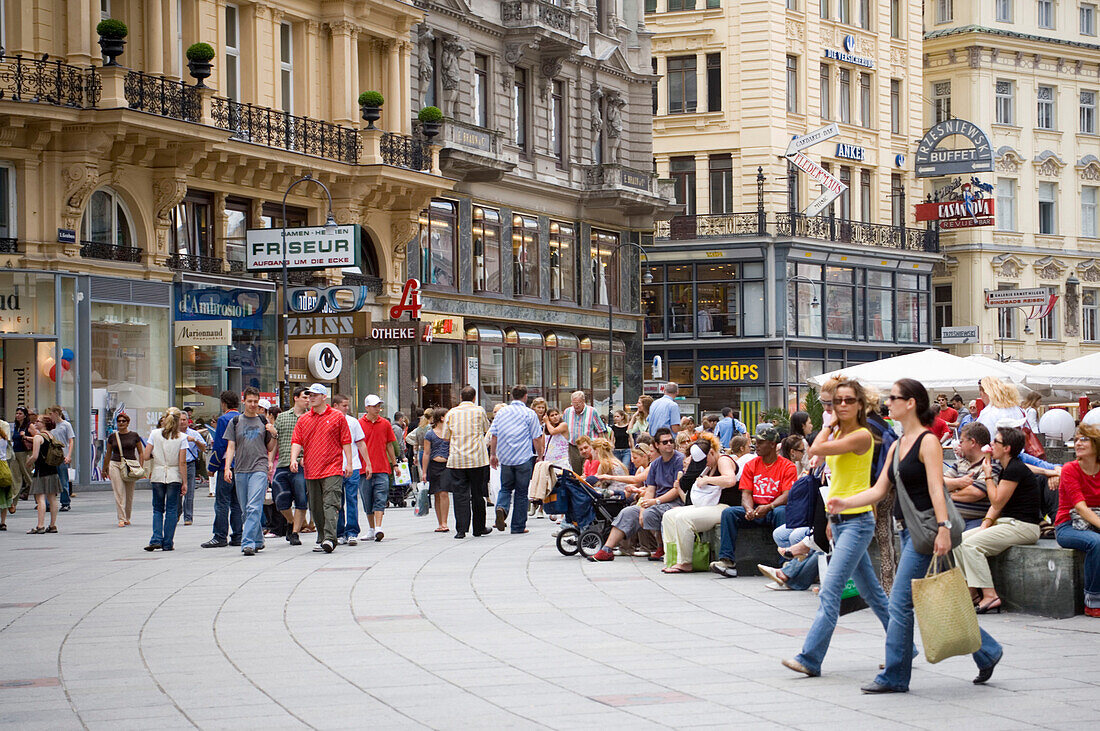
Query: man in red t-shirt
[(323, 436), (939, 425), (374, 486), (765, 483)]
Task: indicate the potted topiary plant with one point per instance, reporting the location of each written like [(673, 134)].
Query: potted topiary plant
[(370, 106), (112, 34), (198, 61), (430, 120)]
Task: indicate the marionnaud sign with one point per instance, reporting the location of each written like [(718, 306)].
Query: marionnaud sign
[(959, 335), (850, 152), (204, 332), (846, 56), (306, 248), (932, 161)]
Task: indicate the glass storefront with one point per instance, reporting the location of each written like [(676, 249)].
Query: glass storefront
[(377, 372), (131, 347), (704, 300), (28, 342)]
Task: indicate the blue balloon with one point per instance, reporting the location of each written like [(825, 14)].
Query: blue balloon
[(67, 354)]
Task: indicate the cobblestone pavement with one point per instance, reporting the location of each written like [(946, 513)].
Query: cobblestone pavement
[(423, 631)]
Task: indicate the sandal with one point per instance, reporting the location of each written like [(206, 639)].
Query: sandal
[(122, 524), (675, 570), (442, 530), (35, 531), (52, 529)]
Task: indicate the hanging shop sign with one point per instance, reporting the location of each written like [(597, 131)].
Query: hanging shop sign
[(846, 56), (729, 372), (346, 325), (933, 160), (244, 307), (1035, 297), (410, 301), (314, 300), (959, 335), (325, 361), (204, 332), (960, 205), (313, 247)]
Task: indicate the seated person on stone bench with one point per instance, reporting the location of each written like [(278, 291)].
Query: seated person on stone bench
[(711, 492), (965, 481), (1078, 520), (764, 483)]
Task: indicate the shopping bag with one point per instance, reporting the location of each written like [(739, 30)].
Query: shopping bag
[(401, 474), (945, 613), (423, 501), (850, 600), (700, 555)]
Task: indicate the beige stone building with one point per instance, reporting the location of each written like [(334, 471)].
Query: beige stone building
[(1028, 73)]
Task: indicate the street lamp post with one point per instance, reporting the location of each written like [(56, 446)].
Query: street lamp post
[(647, 278), (330, 225), (814, 304)]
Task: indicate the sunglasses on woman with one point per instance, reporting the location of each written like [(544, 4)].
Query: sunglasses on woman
[(846, 400)]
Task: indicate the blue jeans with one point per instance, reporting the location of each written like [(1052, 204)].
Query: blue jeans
[(251, 489), (899, 635), (851, 538), (785, 537), (1087, 541), (227, 509), (515, 478), (375, 491), (734, 517), (166, 513), (802, 574), (189, 498), (63, 476), (348, 527), (623, 455)]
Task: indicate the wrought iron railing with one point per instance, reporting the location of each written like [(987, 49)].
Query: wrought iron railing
[(263, 126), (41, 81), (720, 224), (522, 13), (299, 277), (374, 284), (405, 152), (194, 263), (9, 245), (158, 95), (110, 252), (856, 232), (235, 266)]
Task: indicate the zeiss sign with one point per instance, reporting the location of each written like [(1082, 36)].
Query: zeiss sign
[(846, 56), (306, 248)]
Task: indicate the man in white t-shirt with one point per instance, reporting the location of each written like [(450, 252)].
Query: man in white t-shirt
[(347, 526)]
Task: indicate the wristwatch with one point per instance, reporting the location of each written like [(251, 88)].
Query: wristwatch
[(945, 524)]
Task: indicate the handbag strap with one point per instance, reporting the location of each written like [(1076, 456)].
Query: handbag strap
[(118, 439)]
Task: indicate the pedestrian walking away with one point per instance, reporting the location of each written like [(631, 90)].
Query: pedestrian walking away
[(382, 450), (435, 451), (468, 463), (347, 527), (288, 488), (249, 455), (227, 508), (196, 447), (664, 413), (515, 442), (44, 459), (166, 456), (323, 437)]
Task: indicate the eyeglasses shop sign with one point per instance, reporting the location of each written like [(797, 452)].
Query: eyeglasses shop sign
[(306, 248)]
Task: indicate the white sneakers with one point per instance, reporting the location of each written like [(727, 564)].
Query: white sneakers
[(353, 540), (369, 535)]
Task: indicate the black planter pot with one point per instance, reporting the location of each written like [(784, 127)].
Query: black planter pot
[(430, 129), (370, 115), (112, 49), (199, 70)]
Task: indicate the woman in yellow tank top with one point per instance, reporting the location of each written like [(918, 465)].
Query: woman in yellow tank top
[(848, 449)]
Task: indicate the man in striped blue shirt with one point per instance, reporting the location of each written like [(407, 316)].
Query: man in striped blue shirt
[(515, 438)]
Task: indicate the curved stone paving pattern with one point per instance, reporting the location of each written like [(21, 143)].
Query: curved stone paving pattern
[(422, 631)]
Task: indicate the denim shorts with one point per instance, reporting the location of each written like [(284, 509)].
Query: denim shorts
[(375, 491), (288, 487)]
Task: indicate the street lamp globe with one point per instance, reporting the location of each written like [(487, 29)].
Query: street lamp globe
[(330, 223)]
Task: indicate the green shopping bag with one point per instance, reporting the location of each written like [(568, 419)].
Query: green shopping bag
[(700, 555)]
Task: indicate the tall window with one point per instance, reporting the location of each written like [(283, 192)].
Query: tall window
[(563, 261), (825, 92), (897, 200), (1045, 109), (525, 256), (824, 8), (941, 305), (557, 120), (941, 101), (1090, 314), (605, 276), (865, 14), (1048, 325), (1089, 226), (1006, 318), (895, 106), (1088, 112), (1048, 204), (895, 18), (481, 90), (681, 85), (1044, 13), (792, 83), (192, 230), (721, 184), (865, 195), (651, 6), (486, 239), (714, 82), (846, 197), (438, 240), (286, 66), (1004, 11), (865, 100), (1006, 204), (1088, 19), (1006, 102), (232, 53), (945, 11), (656, 98), (844, 11), (106, 220), (682, 170), (519, 109), (844, 96), (7, 202)]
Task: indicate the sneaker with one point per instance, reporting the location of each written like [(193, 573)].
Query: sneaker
[(64, 509), (293, 539), (502, 519), (270, 534), (724, 567), (353, 540), (379, 535), (617, 551), (539, 513), (214, 543), (556, 532), (248, 551), (318, 548), (639, 553), (531, 510), (658, 555), (342, 540), (369, 535), (328, 547), (603, 555), (775, 586)]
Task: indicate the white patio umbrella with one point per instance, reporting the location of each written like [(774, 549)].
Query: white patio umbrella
[(1077, 376), (1015, 370)]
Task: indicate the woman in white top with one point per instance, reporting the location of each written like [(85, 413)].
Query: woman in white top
[(715, 490), (8, 495), (167, 448), (1031, 410), (1002, 401), (555, 454)]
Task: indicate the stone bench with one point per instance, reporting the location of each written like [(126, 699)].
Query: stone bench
[(1043, 579)]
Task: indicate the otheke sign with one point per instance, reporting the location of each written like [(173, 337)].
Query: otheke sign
[(932, 162), (306, 248)]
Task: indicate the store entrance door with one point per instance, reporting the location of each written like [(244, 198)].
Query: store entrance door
[(25, 370)]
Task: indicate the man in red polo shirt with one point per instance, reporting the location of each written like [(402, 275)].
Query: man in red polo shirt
[(374, 486), (322, 434)]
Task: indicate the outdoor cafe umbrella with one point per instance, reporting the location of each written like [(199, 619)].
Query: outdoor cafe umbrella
[(1077, 376), (940, 372)]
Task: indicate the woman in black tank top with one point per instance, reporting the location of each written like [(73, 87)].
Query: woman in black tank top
[(921, 468)]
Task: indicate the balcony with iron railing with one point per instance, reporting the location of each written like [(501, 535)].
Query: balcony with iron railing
[(372, 283), (110, 252), (162, 96), (9, 245), (195, 263), (405, 151), (548, 26), (42, 81), (272, 128)]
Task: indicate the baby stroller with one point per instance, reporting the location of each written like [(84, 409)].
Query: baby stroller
[(587, 508)]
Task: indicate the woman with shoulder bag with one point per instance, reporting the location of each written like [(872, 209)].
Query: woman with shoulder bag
[(45, 485), (123, 454), (166, 453), (8, 493), (915, 466)]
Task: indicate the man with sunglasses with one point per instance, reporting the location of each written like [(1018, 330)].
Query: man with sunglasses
[(965, 481)]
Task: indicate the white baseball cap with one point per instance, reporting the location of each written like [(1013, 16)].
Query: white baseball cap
[(265, 404), (319, 389), (372, 400)]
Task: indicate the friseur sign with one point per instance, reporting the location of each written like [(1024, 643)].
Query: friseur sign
[(730, 372), (306, 248), (934, 162)]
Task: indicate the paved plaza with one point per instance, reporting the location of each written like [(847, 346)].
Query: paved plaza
[(424, 631)]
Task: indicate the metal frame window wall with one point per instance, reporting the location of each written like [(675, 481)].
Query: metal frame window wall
[(712, 300)]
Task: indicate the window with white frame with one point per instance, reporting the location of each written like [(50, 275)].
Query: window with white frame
[(895, 106), (1004, 11), (844, 97), (181, 62), (941, 101), (865, 100), (792, 83), (7, 200), (825, 91), (1006, 318), (232, 53), (286, 66), (823, 9), (106, 220), (865, 14), (1048, 325), (104, 9), (1006, 204), (865, 213), (895, 18), (1048, 204), (481, 90), (1089, 224), (1087, 14), (1045, 107), (1090, 314), (1088, 112), (945, 11), (1006, 102), (942, 305), (843, 11), (1044, 13)]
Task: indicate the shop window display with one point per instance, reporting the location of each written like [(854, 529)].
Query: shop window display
[(131, 345)]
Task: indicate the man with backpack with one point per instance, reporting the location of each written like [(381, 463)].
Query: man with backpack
[(227, 511), (66, 436), (249, 452)]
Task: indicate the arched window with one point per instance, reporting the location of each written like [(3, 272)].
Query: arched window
[(106, 220)]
